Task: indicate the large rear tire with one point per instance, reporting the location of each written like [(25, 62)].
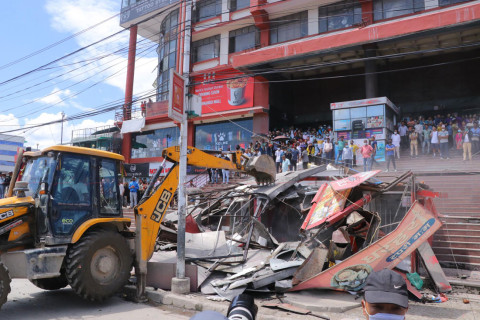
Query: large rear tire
[(98, 265), (4, 284), (51, 283)]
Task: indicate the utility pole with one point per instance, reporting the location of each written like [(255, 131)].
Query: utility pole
[(61, 134), (181, 284)]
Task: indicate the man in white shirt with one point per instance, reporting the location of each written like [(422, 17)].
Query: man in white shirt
[(396, 142), (402, 130)]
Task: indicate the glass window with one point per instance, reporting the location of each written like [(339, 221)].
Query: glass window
[(72, 194), (108, 172), (167, 49), (341, 125), (206, 9), (206, 49), (243, 39), (342, 114), (36, 171), (224, 135), (385, 9), (289, 27), (375, 110), (239, 4), (151, 144), (358, 112), (449, 2), (340, 15)]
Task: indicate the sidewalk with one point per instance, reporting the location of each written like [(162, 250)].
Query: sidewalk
[(196, 302)]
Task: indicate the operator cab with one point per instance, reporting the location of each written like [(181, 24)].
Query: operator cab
[(71, 185)]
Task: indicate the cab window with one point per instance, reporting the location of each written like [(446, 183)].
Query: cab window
[(72, 194), (109, 203)]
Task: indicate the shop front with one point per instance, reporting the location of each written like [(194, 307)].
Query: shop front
[(364, 119), (234, 107)]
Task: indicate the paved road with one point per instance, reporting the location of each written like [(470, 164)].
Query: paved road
[(29, 302)]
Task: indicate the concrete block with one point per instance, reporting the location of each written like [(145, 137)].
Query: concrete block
[(180, 286), (159, 296)]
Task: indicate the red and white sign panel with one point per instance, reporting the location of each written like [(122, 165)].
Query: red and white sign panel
[(231, 94), (416, 227), (176, 97), (353, 181), (326, 203)]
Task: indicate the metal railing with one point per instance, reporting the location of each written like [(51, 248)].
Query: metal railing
[(151, 109)]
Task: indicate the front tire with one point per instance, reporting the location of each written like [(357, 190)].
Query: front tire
[(4, 284), (51, 283), (98, 265)]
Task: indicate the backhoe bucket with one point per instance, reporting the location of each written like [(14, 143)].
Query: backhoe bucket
[(262, 168)]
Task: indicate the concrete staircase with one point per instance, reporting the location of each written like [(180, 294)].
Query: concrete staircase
[(457, 243)]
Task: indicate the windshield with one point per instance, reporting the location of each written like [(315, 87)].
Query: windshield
[(36, 171)]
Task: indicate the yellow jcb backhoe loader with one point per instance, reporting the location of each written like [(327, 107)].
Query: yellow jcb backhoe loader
[(62, 222)]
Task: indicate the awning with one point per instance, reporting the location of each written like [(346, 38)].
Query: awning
[(134, 125)]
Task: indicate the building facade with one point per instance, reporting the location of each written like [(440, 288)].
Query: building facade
[(9, 148), (261, 64)]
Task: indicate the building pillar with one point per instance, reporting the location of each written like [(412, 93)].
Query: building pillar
[(371, 77), (224, 49), (313, 21), (132, 48)]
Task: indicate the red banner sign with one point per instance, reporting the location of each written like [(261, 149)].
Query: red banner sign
[(416, 227), (226, 95), (176, 96)]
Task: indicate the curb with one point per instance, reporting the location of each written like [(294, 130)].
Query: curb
[(190, 302)]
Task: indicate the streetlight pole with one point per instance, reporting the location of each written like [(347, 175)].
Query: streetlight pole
[(61, 132)]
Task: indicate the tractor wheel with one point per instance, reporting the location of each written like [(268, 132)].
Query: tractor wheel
[(51, 283), (98, 265), (4, 284)]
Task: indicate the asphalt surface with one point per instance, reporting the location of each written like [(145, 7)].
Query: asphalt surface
[(29, 302)]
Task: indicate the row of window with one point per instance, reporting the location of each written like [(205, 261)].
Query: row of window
[(336, 16), (206, 9)]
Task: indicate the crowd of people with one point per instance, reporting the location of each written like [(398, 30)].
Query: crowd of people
[(441, 136)]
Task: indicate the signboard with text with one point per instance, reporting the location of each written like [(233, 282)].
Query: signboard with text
[(417, 226), (231, 94), (176, 96)]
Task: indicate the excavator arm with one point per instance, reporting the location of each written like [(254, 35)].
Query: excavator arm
[(152, 207)]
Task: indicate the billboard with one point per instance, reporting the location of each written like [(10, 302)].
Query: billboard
[(225, 95)]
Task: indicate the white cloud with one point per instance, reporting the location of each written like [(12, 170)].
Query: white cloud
[(56, 97), (46, 136), (72, 16)]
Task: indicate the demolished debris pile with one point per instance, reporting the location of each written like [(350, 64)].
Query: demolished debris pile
[(311, 229)]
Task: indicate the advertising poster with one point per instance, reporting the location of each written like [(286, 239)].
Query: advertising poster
[(224, 135), (226, 95), (326, 202), (380, 155), (416, 227)]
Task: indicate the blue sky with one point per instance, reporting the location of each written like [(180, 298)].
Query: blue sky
[(77, 84)]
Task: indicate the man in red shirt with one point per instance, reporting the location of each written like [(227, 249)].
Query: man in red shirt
[(366, 150)]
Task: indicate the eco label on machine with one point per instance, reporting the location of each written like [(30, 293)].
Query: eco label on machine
[(6, 214), (161, 206)]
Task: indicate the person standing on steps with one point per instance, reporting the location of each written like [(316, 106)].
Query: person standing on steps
[(133, 187), (390, 153)]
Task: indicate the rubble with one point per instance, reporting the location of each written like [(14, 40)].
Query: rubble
[(312, 229)]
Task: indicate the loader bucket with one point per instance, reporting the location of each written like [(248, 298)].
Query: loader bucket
[(262, 168)]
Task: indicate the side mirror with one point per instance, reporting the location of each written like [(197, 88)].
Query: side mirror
[(20, 188)]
